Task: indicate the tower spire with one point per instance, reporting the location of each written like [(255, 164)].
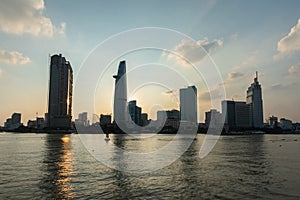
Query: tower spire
[(256, 77)]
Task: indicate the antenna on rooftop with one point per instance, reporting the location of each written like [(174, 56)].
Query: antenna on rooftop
[(256, 77)]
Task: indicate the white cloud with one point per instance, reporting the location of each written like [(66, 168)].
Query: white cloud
[(213, 94), (234, 75), (234, 36), (280, 86), (294, 70), (187, 51), (169, 92), (13, 57), (26, 17), (290, 42)]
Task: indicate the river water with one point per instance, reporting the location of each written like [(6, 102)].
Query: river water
[(45, 166)]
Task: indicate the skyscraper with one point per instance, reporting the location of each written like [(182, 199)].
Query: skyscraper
[(213, 118), (242, 117), (169, 118), (228, 109), (82, 119), (120, 98), (188, 104), (255, 102), (236, 113), (60, 93), (135, 112)]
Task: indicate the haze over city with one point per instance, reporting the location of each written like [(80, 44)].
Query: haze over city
[(238, 41)]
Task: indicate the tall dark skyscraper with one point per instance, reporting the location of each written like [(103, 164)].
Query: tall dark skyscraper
[(188, 104), (228, 109), (135, 112), (60, 93), (120, 99), (236, 113), (255, 102)]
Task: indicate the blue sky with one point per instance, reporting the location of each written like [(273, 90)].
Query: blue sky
[(246, 36)]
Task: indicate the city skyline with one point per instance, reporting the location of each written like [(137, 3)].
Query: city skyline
[(128, 115), (267, 42)]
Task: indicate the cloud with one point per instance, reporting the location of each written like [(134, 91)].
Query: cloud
[(234, 75), (237, 96), (277, 86), (294, 70), (26, 17), (188, 51), (205, 96), (280, 86), (234, 36), (13, 57), (169, 92), (213, 94), (1, 72), (291, 42)]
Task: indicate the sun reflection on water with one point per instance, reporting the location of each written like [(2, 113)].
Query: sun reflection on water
[(65, 168), (58, 168)]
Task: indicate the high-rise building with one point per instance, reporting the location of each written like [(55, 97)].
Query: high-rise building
[(237, 113), (105, 120), (13, 122), (60, 93), (213, 118), (16, 118), (242, 114), (120, 98), (38, 123), (188, 104), (135, 112), (255, 102), (228, 109), (82, 119), (273, 121), (169, 118), (144, 118), (286, 124)]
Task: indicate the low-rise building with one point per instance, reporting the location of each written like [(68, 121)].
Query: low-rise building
[(286, 124)]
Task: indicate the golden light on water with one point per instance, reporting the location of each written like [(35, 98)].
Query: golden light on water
[(65, 169), (65, 139)]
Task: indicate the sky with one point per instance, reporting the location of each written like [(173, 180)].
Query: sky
[(239, 37)]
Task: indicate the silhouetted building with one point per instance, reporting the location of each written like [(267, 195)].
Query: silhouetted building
[(273, 121), (13, 122), (105, 120), (170, 117), (286, 124), (213, 118), (16, 118), (82, 119), (8, 123), (254, 100), (60, 93), (145, 120), (188, 104), (120, 98), (228, 109), (39, 123), (135, 112), (105, 123), (236, 113), (31, 123), (242, 117)]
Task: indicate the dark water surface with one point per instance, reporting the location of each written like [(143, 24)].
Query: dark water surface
[(44, 166)]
